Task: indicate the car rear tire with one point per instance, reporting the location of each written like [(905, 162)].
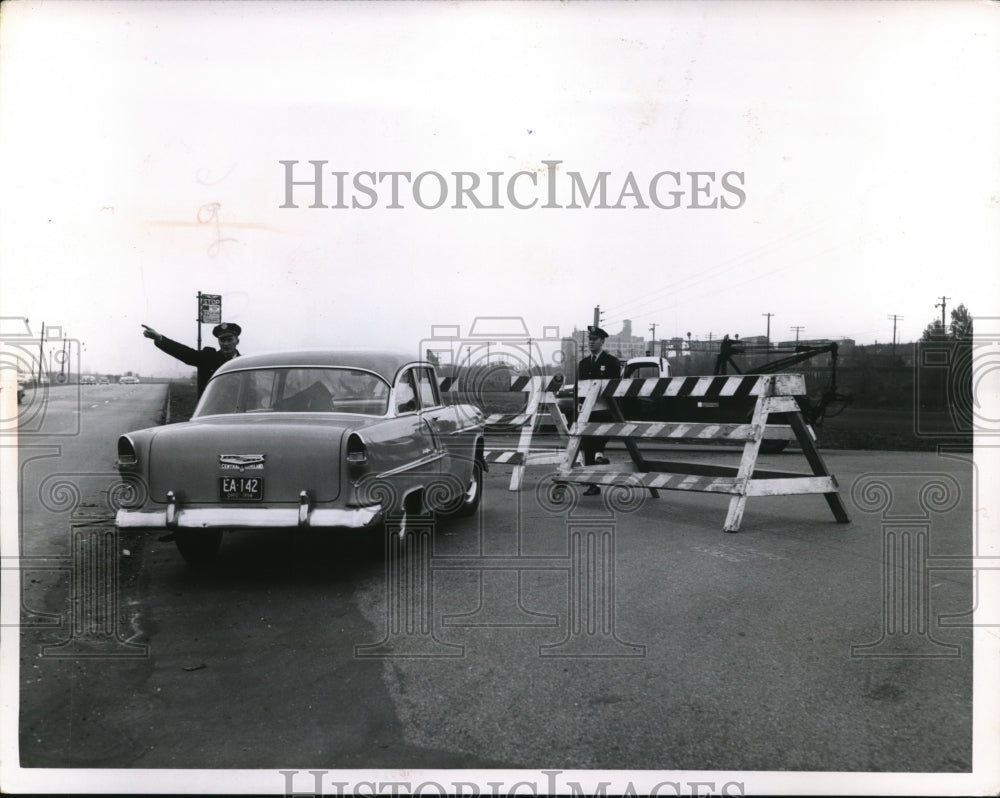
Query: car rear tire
[(469, 502), (198, 547)]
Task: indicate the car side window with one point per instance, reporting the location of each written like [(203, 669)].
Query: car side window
[(259, 389), (406, 399), (427, 387)]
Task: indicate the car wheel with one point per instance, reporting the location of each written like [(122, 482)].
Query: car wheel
[(469, 502), (198, 547)]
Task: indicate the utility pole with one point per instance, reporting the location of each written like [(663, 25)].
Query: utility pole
[(41, 353), (652, 339), (597, 315), (894, 318), (797, 329), (768, 328), (942, 304)]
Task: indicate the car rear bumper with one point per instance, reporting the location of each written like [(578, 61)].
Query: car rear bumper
[(174, 517)]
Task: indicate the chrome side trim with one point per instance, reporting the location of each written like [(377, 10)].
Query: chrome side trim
[(410, 466)]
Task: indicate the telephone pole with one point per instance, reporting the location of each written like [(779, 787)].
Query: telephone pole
[(942, 304), (41, 353), (768, 328), (652, 339), (894, 318), (597, 315), (797, 329)]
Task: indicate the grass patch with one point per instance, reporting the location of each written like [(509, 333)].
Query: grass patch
[(183, 398)]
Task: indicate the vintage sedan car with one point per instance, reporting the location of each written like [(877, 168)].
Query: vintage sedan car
[(128, 379), (317, 439)]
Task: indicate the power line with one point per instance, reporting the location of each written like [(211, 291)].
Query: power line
[(729, 287), (721, 268)]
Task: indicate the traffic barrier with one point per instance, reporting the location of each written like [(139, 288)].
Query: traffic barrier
[(767, 394), (541, 404)]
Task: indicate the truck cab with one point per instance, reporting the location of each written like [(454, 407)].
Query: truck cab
[(645, 368)]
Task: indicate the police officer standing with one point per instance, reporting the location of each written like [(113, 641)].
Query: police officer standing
[(598, 365), (208, 360)]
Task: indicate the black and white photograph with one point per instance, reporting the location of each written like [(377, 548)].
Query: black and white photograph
[(499, 398)]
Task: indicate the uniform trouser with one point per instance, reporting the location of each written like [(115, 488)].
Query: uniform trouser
[(590, 445)]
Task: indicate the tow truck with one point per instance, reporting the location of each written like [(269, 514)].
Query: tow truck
[(830, 402)]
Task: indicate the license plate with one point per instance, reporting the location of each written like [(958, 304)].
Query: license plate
[(241, 489)]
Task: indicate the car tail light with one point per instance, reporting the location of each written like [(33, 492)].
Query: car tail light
[(357, 457), (126, 452)]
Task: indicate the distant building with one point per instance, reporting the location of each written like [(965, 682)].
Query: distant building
[(622, 345)]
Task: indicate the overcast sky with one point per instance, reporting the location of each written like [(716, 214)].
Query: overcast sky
[(141, 148)]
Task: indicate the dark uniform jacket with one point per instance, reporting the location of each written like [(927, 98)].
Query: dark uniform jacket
[(603, 367), (207, 361)]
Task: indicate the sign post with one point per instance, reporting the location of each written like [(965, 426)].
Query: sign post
[(209, 311)]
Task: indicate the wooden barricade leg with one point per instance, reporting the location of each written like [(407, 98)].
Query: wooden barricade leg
[(582, 418), (558, 418), (527, 431), (818, 466), (737, 504)]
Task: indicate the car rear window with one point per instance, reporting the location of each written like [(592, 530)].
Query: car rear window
[(295, 390)]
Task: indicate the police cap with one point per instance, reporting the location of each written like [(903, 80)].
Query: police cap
[(226, 328), (595, 332)]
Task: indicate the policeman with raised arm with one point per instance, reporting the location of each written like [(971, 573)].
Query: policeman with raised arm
[(208, 360)]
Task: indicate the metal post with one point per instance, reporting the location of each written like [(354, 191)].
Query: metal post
[(199, 320), (41, 353)]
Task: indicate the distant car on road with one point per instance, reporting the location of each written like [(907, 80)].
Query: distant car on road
[(103, 381), (128, 379), (324, 439), (88, 379)]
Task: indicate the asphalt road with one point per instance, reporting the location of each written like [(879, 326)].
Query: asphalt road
[(788, 646)]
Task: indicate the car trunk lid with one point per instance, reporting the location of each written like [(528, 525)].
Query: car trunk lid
[(285, 458)]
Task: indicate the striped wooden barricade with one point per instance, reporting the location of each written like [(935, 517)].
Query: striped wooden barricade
[(541, 403), (766, 394)]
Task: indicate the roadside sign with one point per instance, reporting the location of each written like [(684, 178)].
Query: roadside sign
[(210, 308)]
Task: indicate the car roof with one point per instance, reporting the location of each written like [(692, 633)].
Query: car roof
[(384, 362)]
